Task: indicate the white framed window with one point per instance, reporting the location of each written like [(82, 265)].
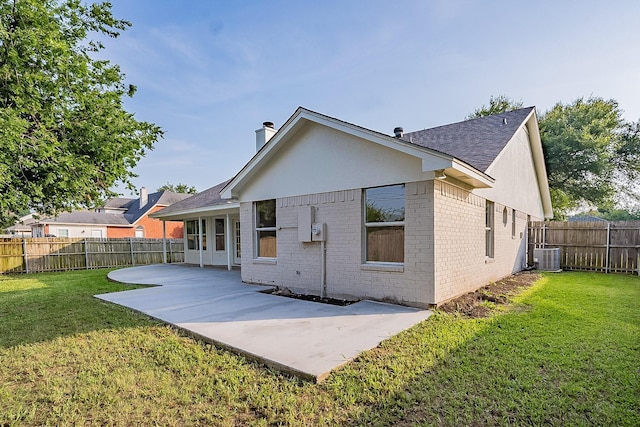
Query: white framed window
[(63, 232), (489, 227), (266, 232), (193, 234), (384, 223), (139, 231), (219, 230)]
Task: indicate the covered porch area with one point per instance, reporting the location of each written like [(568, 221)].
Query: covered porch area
[(211, 229)]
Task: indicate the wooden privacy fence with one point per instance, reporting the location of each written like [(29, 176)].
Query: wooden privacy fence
[(592, 246), (30, 255)]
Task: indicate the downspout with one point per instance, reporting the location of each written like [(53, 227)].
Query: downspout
[(164, 242), (200, 240), (228, 244)]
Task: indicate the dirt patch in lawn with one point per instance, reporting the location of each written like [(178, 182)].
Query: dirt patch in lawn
[(482, 303)]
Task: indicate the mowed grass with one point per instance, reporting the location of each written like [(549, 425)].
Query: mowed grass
[(565, 352)]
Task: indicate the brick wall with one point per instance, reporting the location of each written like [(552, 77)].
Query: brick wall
[(460, 262), (298, 265), (444, 247), (152, 228)]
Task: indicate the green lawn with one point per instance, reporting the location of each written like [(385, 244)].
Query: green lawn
[(565, 352)]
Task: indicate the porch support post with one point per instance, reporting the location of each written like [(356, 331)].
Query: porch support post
[(200, 240), (229, 242), (164, 242)]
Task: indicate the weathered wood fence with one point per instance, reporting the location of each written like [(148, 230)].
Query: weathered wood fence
[(591, 246), (30, 255)]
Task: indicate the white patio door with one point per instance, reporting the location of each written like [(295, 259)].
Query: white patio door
[(236, 242)]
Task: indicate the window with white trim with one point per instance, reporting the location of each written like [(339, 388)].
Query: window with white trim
[(193, 234), (63, 232), (489, 227), (266, 234), (384, 223)]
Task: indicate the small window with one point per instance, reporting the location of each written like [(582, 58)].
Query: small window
[(63, 232), (266, 235), (505, 216), (489, 213), (384, 223), (139, 231), (219, 234), (513, 223), (193, 235)]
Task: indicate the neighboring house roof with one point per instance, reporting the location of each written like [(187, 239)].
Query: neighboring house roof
[(87, 217), (22, 225), (119, 203), (204, 201), (128, 217), (477, 141)]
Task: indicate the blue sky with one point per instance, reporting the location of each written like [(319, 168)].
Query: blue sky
[(210, 72)]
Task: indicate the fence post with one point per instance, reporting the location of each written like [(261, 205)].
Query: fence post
[(638, 263), (133, 259), (544, 235), (170, 253), (606, 265), (86, 254), (24, 255)]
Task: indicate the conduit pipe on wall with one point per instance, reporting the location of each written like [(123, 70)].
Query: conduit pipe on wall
[(323, 269)]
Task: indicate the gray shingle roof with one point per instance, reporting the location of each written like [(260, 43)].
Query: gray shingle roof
[(477, 141), (88, 217), (119, 203), (206, 198)]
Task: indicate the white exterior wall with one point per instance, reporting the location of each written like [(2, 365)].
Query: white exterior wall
[(516, 184), (298, 265), (323, 159), (75, 231)]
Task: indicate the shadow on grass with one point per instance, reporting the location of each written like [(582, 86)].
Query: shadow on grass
[(562, 362), (42, 307)]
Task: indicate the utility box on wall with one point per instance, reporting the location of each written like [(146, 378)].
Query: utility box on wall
[(319, 232), (305, 219)]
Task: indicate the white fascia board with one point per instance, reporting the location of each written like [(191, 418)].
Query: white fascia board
[(541, 169), (213, 210), (477, 178)]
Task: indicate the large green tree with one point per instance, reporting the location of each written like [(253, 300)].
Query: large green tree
[(591, 154), (65, 138)]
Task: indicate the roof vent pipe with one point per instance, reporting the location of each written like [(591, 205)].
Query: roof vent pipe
[(264, 134), (504, 121), (398, 132)]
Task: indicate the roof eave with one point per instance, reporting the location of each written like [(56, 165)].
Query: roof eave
[(179, 215)]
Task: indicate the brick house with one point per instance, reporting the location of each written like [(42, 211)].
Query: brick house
[(119, 217), (327, 207)]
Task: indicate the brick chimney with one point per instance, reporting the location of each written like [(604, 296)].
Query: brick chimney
[(144, 197)]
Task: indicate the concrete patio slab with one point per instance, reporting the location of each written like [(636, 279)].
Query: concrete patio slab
[(301, 337)]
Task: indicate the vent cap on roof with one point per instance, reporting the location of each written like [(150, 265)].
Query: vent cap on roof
[(398, 132)]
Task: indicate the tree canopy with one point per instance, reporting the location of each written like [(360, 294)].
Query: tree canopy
[(592, 154), (65, 138), (178, 188), (497, 104)]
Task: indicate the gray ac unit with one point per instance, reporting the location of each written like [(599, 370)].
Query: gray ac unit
[(547, 259)]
